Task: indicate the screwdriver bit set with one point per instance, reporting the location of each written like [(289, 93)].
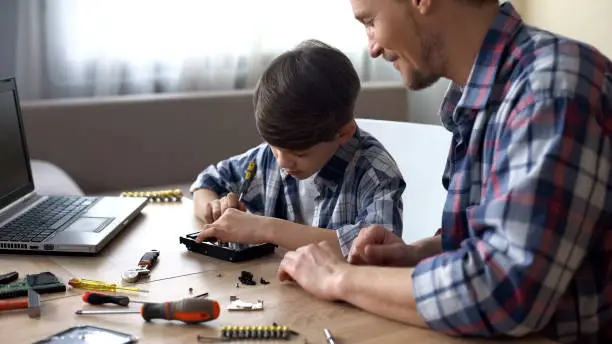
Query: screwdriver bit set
[(159, 196), (251, 332)]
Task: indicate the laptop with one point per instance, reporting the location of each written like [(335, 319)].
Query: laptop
[(49, 224)]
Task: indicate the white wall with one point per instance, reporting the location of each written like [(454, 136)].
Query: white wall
[(423, 105), (588, 21)]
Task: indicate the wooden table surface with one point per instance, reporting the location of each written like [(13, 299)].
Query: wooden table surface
[(177, 270)]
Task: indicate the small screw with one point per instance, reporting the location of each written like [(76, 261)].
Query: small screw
[(237, 285), (190, 290)]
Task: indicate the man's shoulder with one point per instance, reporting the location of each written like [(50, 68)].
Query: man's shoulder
[(552, 65)]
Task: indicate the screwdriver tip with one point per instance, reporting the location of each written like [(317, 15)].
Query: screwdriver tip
[(79, 312)]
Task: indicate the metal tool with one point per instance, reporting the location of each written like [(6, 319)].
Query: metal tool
[(31, 303), (100, 299), (101, 286), (238, 305), (190, 310), (328, 336), (134, 275), (157, 195), (143, 269), (250, 332)]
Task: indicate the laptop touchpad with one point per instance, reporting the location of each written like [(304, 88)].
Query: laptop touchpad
[(89, 224)]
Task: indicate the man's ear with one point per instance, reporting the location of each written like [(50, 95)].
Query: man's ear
[(346, 132)]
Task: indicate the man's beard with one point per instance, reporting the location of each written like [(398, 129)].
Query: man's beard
[(432, 71)]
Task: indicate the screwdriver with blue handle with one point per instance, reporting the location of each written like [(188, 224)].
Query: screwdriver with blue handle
[(190, 311)]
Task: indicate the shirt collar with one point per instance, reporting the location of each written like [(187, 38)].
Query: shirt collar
[(484, 71), (332, 174)]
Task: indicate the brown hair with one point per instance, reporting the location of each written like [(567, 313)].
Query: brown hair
[(305, 96)]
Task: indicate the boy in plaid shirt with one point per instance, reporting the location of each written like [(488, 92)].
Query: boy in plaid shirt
[(319, 177)]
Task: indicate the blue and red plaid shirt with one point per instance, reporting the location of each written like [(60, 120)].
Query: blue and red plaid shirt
[(527, 225)]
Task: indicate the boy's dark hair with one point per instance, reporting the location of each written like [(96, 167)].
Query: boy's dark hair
[(305, 96)]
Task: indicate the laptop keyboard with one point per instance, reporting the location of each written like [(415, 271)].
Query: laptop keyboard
[(45, 218)]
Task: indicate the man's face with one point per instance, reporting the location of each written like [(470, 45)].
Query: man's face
[(399, 32)]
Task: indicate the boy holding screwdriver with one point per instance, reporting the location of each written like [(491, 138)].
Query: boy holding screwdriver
[(318, 176)]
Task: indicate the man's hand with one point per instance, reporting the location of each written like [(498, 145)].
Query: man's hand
[(236, 226), (215, 208), (377, 246), (316, 268)]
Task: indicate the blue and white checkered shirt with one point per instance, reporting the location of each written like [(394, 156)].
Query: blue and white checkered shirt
[(527, 226), (361, 185)]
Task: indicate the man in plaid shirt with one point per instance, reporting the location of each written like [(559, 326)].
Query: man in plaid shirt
[(318, 176), (526, 239)]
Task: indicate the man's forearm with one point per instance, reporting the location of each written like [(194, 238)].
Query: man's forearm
[(201, 198), (292, 235), (383, 291)]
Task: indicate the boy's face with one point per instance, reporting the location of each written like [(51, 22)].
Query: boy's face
[(305, 163)]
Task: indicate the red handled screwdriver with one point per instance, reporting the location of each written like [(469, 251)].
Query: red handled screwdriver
[(100, 299), (190, 311)]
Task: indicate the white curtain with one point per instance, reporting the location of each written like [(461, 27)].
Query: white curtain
[(73, 48)]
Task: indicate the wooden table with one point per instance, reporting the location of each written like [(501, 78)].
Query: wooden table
[(178, 270)]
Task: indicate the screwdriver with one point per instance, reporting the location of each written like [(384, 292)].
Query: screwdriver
[(190, 311), (100, 299), (101, 286)]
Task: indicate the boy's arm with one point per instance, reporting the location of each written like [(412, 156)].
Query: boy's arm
[(291, 235), (225, 177), (238, 226), (379, 202)]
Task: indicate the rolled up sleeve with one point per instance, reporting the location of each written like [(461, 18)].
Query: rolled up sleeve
[(379, 203)]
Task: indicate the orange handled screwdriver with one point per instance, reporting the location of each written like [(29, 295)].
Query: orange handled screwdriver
[(190, 311), (100, 299)]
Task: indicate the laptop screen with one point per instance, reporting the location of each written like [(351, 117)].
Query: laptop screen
[(15, 178)]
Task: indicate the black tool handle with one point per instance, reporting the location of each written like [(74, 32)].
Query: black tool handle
[(8, 278), (190, 311), (100, 299), (149, 259)]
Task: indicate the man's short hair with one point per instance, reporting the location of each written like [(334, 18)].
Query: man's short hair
[(305, 96)]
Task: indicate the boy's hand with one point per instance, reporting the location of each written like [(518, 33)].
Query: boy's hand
[(236, 226), (377, 246), (215, 208)]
